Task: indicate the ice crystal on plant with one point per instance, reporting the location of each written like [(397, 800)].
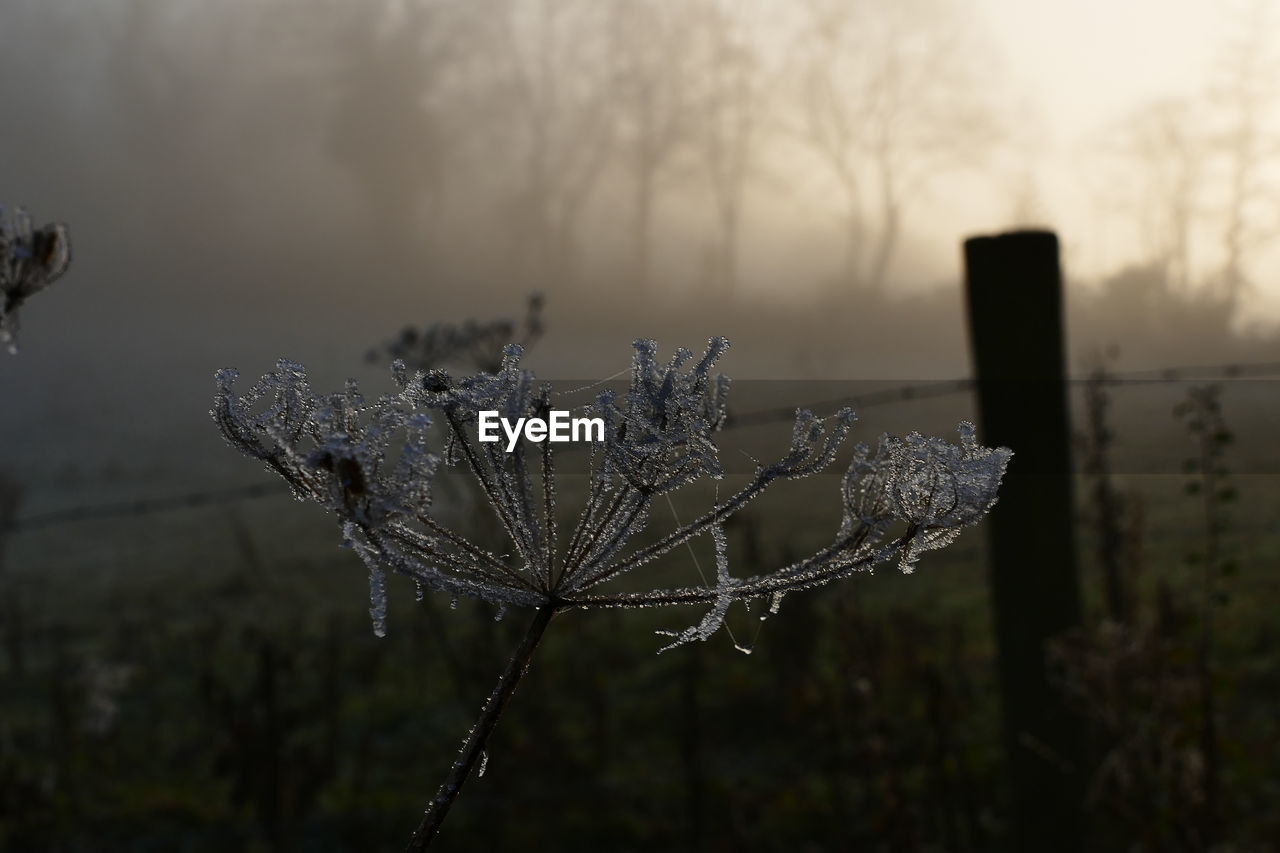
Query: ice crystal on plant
[(30, 260), (724, 586), (909, 496), (935, 486), (659, 437)]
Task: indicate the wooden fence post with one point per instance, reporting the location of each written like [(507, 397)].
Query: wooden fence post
[(1014, 296)]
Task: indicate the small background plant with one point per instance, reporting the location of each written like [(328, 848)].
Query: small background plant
[(1149, 674), (31, 259)]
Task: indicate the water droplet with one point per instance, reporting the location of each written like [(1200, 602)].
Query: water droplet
[(484, 764)]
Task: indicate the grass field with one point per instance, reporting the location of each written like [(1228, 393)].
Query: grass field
[(207, 680)]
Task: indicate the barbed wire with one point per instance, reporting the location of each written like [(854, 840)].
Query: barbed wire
[(760, 417), (865, 400), (145, 506), (945, 387)]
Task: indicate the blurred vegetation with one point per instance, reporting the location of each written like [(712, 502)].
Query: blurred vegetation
[(235, 697), (206, 680)]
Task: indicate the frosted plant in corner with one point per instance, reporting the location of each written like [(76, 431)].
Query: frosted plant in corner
[(369, 463), (30, 260)]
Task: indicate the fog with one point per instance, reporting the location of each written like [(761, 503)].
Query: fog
[(246, 180), (186, 654)]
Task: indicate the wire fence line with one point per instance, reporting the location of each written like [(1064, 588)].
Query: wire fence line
[(145, 506), (760, 417), (945, 387), (870, 399)]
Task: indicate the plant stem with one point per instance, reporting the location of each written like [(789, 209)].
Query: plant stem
[(438, 808)]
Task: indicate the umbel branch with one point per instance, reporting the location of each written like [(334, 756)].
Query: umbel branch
[(372, 464), (31, 259)]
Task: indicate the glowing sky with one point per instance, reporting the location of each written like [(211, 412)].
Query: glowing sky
[(1085, 64), (1086, 61)]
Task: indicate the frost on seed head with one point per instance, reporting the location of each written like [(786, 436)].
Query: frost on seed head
[(659, 436), (371, 464), (936, 487), (31, 259)]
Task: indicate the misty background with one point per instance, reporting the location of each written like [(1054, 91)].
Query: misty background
[(247, 180), (251, 179)]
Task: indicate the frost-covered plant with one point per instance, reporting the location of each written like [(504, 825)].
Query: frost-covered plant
[(369, 463), (30, 260), (480, 345)]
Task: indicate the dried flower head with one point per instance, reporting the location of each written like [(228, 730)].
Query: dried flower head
[(369, 464), (911, 495), (476, 344), (935, 486), (30, 260)]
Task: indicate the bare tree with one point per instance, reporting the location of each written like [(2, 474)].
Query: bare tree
[(1192, 174), (1245, 95), (391, 128), (185, 91), (892, 98), (653, 49), (1150, 167), (152, 79), (550, 106), (729, 81)]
